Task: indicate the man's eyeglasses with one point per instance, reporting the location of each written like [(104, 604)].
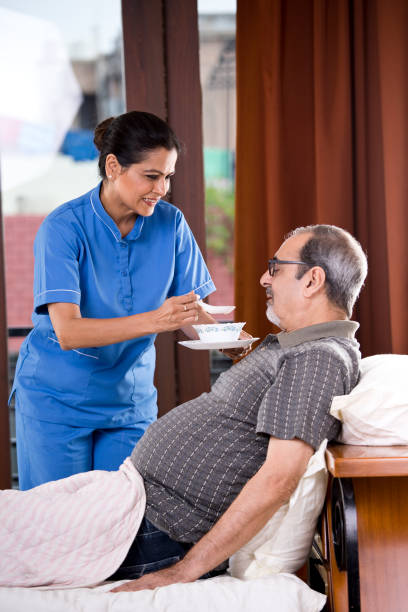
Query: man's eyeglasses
[(274, 262)]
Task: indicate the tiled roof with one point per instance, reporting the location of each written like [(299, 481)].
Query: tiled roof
[(19, 233)]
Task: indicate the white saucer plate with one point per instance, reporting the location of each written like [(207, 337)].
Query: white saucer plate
[(198, 345)]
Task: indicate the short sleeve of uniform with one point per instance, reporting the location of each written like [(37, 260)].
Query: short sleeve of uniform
[(297, 404), (190, 272), (56, 267)]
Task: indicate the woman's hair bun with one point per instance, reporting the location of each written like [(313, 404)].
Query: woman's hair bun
[(130, 137), (100, 132)]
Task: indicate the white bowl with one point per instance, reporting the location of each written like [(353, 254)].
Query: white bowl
[(219, 332)]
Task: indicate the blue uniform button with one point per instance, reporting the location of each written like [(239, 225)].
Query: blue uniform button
[(124, 273)]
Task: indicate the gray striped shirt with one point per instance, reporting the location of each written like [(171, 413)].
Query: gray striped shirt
[(196, 459)]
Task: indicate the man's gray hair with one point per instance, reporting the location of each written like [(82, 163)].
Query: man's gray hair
[(342, 259)]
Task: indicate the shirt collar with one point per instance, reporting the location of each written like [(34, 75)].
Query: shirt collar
[(107, 220), (329, 329)]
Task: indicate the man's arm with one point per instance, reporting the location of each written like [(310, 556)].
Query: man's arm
[(259, 499)]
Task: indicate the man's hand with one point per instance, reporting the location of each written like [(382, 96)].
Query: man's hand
[(238, 353), (169, 575)]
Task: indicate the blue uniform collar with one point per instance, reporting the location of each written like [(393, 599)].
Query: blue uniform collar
[(107, 220)]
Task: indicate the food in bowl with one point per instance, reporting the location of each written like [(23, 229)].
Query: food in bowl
[(219, 332)]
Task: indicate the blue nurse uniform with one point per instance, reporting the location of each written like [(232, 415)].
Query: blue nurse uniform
[(66, 400)]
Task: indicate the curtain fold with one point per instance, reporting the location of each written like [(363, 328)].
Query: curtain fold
[(322, 138)]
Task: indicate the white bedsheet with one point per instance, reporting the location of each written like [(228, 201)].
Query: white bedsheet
[(70, 532), (277, 593)]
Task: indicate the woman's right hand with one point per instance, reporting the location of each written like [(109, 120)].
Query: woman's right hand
[(75, 332), (176, 312)]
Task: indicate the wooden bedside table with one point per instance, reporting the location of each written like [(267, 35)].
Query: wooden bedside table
[(364, 531)]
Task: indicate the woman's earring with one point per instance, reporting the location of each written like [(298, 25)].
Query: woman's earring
[(109, 176)]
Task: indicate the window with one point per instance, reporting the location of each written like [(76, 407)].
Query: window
[(62, 62), (217, 67)]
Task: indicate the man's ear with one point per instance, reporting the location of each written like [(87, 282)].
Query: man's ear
[(314, 281), (112, 166)]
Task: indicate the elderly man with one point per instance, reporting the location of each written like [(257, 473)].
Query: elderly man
[(218, 467)]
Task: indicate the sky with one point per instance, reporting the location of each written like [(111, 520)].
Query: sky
[(91, 26), (217, 6), (87, 26)]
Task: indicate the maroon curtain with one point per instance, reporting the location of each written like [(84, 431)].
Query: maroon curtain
[(322, 91)]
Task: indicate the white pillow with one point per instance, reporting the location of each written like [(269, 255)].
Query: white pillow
[(283, 545), (279, 593), (375, 413)]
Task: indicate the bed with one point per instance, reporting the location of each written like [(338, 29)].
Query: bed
[(60, 542), (262, 574), (280, 593)]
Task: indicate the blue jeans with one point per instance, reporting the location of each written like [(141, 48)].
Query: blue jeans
[(152, 550)]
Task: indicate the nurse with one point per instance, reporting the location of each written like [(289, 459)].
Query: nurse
[(113, 268)]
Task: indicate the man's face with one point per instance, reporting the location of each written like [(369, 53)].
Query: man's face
[(284, 291)]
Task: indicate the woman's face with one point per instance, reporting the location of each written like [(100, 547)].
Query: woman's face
[(140, 186)]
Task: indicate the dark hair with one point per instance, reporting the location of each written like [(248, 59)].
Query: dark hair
[(342, 259), (131, 136)]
